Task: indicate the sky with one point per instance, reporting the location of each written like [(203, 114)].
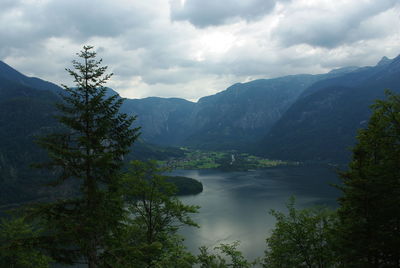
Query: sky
[(194, 48)]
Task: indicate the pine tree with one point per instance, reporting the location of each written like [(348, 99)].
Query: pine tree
[(370, 207), (90, 150)]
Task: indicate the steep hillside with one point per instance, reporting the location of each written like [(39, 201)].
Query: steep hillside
[(322, 124), (8, 73), (243, 112), (163, 121), (230, 119), (27, 112), (227, 120)]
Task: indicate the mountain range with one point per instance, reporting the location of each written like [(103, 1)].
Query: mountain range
[(299, 117), (231, 119)]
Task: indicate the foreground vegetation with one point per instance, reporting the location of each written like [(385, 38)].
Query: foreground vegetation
[(130, 219)]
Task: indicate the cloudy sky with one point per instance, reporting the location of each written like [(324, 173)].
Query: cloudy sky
[(193, 48)]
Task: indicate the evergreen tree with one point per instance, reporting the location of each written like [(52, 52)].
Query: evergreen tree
[(90, 150), (370, 206)]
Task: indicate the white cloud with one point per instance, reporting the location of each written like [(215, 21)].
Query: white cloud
[(328, 23), (161, 48)]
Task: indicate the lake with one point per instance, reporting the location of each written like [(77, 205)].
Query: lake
[(235, 205)]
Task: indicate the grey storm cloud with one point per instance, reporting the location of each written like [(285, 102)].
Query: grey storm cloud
[(83, 18), (6, 4), (331, 28), (24, 24), (191, 48), (203, 13)]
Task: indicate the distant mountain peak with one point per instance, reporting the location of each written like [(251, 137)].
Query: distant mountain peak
[(344, 70), (396, 60), (7, 71), (384, 61)]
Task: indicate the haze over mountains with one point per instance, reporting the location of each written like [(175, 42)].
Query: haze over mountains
[(299, 117)]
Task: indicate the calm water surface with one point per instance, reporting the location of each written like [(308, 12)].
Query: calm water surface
[(235, 205)]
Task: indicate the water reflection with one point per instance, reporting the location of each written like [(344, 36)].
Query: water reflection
[(235, 205)]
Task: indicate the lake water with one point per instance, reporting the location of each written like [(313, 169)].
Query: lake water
[(235, 205)]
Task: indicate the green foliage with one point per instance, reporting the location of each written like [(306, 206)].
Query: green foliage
[(152, 201), (128, 249), (90, 151), (230, 257), (370, 211), (302, 238), (176, 255), (185, 185), (18, 242), (153, 217)]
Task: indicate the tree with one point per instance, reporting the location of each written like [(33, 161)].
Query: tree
[(154, 216), (230, 257), (369, 210), (18, 242), (303, 238), (90, 150)]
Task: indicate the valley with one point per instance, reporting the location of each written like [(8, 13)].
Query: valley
[(263, 123), (222, 160), (237, 154), (199, 134)]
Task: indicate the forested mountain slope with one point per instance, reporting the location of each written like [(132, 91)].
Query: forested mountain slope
[(322, 124), (237, 116), (27, 110)]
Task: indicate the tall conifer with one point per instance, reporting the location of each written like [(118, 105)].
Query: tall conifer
[(90, 150)]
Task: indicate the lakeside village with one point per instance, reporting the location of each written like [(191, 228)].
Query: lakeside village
[(223, 160)]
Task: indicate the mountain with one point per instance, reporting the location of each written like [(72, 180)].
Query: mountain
[(243, 112), (27, 110), (299, 117), (163, 121), (230, 119), (24, 113), (7, 73), (234, 116), (322, 124)]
